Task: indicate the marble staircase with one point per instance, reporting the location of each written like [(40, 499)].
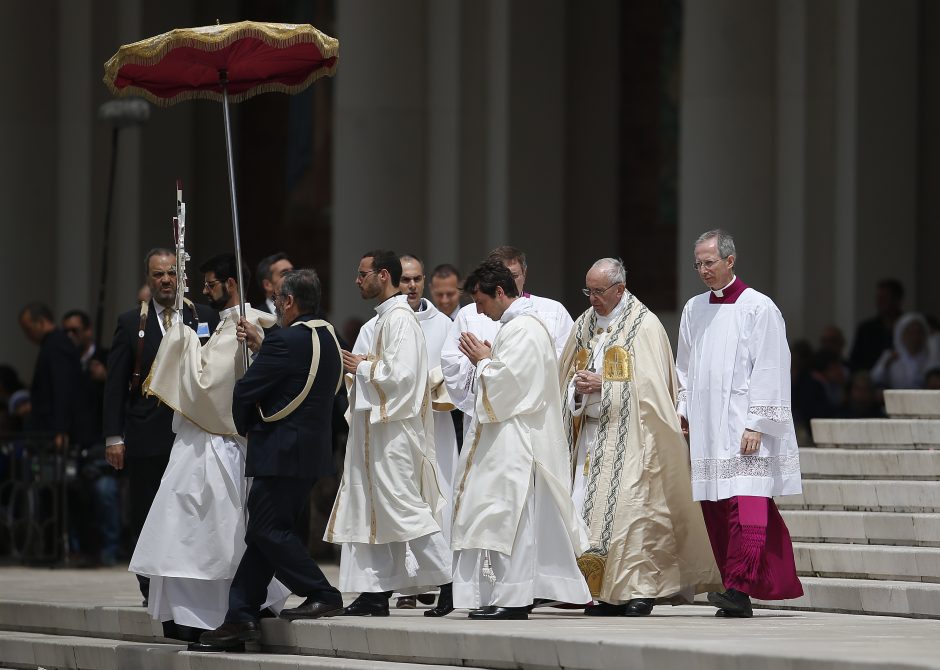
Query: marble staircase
[(866, 529)]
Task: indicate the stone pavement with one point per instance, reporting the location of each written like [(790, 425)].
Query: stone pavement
[(93, 619)]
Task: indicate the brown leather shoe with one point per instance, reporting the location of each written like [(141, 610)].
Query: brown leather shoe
[(312, 608), (406, 603)]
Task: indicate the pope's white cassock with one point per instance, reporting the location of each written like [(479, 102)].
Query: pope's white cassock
[(630, 462), (435, 325), (194, 536), (516, 533), (459, 372), (387, 511)]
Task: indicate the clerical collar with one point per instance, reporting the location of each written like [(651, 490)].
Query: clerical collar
[(518, 307), (388, 303), (729, 294), (427, 311), (604, 321)]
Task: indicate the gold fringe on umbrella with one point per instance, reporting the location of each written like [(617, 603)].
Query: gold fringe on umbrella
[(214, 38)]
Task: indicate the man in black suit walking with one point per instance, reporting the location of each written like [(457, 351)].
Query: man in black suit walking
[(287, 421), (138, 429)]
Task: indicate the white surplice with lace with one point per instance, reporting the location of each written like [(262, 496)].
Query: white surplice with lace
[(733, 367)]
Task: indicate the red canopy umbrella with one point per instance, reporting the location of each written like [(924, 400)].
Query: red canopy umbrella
[(228, 62)]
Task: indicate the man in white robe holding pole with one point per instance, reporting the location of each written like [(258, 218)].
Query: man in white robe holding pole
[(733, 366), (516, 533), (194, 536), (457, 370), (387, 511)]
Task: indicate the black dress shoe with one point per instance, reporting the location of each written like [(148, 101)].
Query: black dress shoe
[(312, 608), (501, 613), (229, 636), (733, 614), (604, 609), (175, 631), (367, 604), (639, 607), (735, 603), (445, 602), (425, 598)]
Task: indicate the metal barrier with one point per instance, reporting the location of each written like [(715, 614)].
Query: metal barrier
[(33, 498)]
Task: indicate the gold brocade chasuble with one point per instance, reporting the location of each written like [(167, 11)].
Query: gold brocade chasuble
[(647, 536)]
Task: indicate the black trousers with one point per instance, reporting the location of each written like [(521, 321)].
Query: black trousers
[(143, 475), (275, 548)]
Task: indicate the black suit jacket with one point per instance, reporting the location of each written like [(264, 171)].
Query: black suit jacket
[(145, 423), (299, 445), (56, 382)]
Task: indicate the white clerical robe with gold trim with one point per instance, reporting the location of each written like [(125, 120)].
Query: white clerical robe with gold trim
[(458, 372), (389, 494), (516, 533), (733, 367)]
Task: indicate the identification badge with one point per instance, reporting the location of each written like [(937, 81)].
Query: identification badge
[(202, 329), (617, 365)]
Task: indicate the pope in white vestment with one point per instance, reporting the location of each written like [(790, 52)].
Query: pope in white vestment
[(387, 511), (193, 539), (516, 534), (630, 460)]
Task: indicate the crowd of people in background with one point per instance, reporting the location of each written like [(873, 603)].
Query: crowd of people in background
[(893, 349)]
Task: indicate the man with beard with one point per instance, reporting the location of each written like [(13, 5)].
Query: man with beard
[(387, 512), (137, 428), (193, 538)]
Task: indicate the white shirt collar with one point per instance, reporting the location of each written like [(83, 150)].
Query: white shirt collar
[(604, 321), (720, 293), (232, 311)]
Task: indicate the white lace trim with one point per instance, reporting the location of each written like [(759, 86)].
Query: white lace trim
[(776, 413), (710, 469), (682, 396)]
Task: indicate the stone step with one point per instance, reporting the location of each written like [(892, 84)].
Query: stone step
[(877, 495), (32, 650), (877, 433), (674, 637), (817, 463), (917, 600), (868, 561), (913, 404), (889, 528)]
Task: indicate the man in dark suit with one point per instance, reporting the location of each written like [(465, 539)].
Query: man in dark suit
[(138, 430), (289, 448), (56, 376), (271, 271)]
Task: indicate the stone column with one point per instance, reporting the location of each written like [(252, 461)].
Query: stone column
[(728, 160)]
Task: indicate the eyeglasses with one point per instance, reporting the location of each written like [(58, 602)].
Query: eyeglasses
[(363, 275), (598, 292), (210, 284), (708, 265)]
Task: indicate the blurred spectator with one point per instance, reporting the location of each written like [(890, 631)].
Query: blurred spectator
[(933, 337), (808, 394), (97, 490), (862, 401), (832, 339), (832, 373), (905, 365), (143, 293), (10, 383), (271, 272), (875, 335), (932, 379), (56, 376)]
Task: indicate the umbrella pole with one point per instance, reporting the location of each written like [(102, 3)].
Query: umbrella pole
[(223, 80)]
